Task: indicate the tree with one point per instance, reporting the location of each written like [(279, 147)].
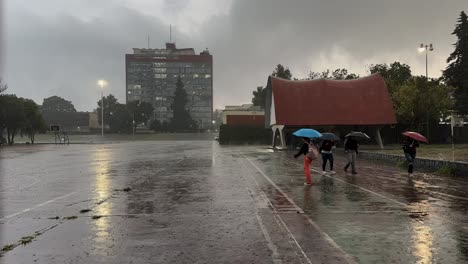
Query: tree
[(57, 104), (141, 112), (120, 119), (418, 97), (3, 86), (156, 126), (456, 73), (110, 107), (259, 98), (338, 74), (395, 75), (11, 115), (182, 121), (281, 72), (33, 121)]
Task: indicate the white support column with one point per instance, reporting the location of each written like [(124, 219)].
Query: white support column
[(379, 137), (282, 136), (273, 129)]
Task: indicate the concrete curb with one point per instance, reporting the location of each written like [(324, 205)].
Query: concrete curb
[(419, 162)]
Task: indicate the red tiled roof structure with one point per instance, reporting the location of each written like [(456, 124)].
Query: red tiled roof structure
[(363, 101)]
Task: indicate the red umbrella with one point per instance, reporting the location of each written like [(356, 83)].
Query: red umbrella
[(416, 136)]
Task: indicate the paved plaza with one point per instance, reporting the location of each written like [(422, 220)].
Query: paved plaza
[(198, 202)]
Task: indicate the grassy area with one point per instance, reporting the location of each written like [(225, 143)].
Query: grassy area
[(439, 152)]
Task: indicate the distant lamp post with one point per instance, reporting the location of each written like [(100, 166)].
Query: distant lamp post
[(426, 48), (102, 84)]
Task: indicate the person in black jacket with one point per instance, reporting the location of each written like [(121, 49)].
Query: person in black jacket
[(409, 148), (326, 149), (351, 150), (303, 151)]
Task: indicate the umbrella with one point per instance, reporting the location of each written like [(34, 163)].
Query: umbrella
[(307, 132), (358, 134), (415, 136), (329, 136)]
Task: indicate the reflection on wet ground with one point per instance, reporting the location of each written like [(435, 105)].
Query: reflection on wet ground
[(197, 202)]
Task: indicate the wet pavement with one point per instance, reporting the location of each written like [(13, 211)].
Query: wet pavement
[(198, 202)]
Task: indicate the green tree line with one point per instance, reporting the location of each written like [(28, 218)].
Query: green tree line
[(18, 116)]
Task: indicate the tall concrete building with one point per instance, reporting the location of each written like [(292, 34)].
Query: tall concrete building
[(151, 76)]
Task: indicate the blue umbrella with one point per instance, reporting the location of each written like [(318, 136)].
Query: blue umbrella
[(329, 136), (308, 133)]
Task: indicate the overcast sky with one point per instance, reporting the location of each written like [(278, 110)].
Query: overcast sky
[(57, 47)]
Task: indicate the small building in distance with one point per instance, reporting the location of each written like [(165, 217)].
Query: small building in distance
[(328, 105), (72, 122), (246, 114)]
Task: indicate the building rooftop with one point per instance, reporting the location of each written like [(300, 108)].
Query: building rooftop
[(363, 101)]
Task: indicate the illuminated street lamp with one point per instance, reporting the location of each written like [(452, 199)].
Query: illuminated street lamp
[(101, 84), (426, 48)]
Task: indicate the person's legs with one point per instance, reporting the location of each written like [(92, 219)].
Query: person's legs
[(410, 160), (324, 161), (348, 156), (307, 162), (330, 157), (353, 161)]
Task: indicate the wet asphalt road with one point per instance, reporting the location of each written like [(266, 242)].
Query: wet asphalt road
[(197, 202)]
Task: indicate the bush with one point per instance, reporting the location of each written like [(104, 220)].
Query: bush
[(447, 170), (402, 164), (244, 135)]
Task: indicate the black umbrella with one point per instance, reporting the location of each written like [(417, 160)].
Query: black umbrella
[(358, 134), (329, 136)]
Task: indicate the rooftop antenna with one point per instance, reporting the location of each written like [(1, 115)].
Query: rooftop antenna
[(148, 41), (170, 33)]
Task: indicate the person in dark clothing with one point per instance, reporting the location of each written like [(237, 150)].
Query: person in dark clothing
[(304, 151), (409, 148), (327, 154), (351, 149)]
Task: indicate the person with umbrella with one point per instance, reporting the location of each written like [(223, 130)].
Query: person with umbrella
[(409, 148), (308, 150), (326, 149), (351, 149)]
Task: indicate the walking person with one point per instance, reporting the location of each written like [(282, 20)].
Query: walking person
[(409, 148), (326, 149), (351, 149), (310, 153)]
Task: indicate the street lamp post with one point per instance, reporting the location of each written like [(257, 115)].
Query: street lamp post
[(102, 83), (426, 48)]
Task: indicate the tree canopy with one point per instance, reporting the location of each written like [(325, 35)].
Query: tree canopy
[(395, 75), (181, 121), (259, 98), (19, 116), (338, 74), (3, 86), (57, 104), (456, 73), (417, 98), (281, 72), (119, 117)]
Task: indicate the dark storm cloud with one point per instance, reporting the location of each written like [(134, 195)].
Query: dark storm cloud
[(65, 55)]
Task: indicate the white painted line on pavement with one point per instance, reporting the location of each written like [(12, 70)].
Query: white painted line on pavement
[(322, 233), (266, 235), (36, 206), (274, 185), (262, 194)]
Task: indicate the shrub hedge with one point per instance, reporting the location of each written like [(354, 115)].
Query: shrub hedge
[(229, 134)]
